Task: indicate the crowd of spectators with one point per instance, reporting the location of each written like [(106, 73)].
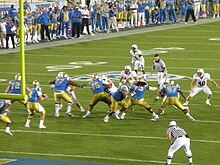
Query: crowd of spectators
[(98, 17)]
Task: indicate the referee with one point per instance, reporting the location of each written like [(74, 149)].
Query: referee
[(178, 138), (161, 68)]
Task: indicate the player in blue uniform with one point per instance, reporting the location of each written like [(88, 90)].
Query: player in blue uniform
[(97, 88), (34, 106), (171, 90), (4, 109), (138, 90), (60, 85), (118, 99), (14, 87)]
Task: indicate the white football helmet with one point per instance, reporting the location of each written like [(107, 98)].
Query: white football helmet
[(127, 67), (36, 83), (104, 78), (200, 72), (18, 76), (134, 46), (172, 123)]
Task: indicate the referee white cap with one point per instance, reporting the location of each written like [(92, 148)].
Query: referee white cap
[(172, 123)]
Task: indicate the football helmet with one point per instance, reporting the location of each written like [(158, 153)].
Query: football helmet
[(172, 123), (124, 88), (36, 83), (18, 76), (62, 74), (200, 72), (134, 46), (95, 76), (127, 67)]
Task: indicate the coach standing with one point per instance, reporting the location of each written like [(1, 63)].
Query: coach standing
[(76, 22), (190, 11), (45, 21), (161, 68), (178, 138)]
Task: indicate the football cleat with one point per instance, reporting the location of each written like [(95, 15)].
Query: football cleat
[(42, 127), (69, 114), (27, 126), (106, 119), (155, 118), (9, 132), (116, 116), (207, 102)]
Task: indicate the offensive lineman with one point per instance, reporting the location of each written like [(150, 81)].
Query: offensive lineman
[(138, 60), (177, 138), (199, 83)]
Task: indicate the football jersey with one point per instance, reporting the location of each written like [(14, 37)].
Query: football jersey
[(118, 96), (15, 87), (138, 91), (130, 76), (34, 95), (201, 82), (176, 131), (171, 90), (3, 106), (96, 86), (137, 54), (61, 84)]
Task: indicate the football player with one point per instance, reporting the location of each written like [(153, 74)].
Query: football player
[(34, 106), (4, 109), (128, 77), (14, 87), (118, 99), (138, 59), (138, 90), (61, 84), (200, 83), (171, 91), (97, 88), (109, 86)]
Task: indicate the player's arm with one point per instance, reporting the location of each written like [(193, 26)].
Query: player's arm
[(76, 84), (193, 84), (52, 82), (7, 90), (214, 83), (170, 138)]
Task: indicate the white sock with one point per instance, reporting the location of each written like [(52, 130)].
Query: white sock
[(41, 123), (69, 108), (28, 122), (7, 129)]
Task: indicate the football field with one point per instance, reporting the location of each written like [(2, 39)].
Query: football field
[(132, 141)]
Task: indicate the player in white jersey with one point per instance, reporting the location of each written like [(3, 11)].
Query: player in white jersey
[(177, 138), (138, 59), (128, 77), (109, 86), (200, 83)]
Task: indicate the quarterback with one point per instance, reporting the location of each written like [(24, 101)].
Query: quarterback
[(199, 83), (128, 77), (33, 104)]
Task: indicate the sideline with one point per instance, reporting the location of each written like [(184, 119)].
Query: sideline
[(100, 36)]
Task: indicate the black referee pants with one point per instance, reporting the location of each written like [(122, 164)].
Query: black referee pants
[(188, 13)]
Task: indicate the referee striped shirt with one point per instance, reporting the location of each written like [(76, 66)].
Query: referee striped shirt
[(176, 131), (159, 66)]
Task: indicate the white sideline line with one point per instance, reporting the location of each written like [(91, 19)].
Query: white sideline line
[(86, 156), (107, 135)]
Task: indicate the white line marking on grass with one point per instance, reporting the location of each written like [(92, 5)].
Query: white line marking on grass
[(86, 156), (107, 135)]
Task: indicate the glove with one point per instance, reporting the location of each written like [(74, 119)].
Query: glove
[(81, 86)]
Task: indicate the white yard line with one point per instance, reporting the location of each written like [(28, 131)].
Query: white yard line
[(87, 157), (107, 135)]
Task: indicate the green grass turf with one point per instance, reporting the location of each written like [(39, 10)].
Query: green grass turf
[(135, 140)]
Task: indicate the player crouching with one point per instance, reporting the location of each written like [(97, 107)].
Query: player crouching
[(33, 104), (4, 109)]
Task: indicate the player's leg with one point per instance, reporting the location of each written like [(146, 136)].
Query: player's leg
[(114, 107), (69, 100), (187, 150), (93, 102), (31, 114), (193, 92), (5, 119), (207, 91), (173, 148), (41, 110)]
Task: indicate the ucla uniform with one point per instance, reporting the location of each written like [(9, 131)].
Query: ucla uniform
[(14, 87), (61, 84), (33, 104), (171, 91), (97, 88), (4, 107)]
